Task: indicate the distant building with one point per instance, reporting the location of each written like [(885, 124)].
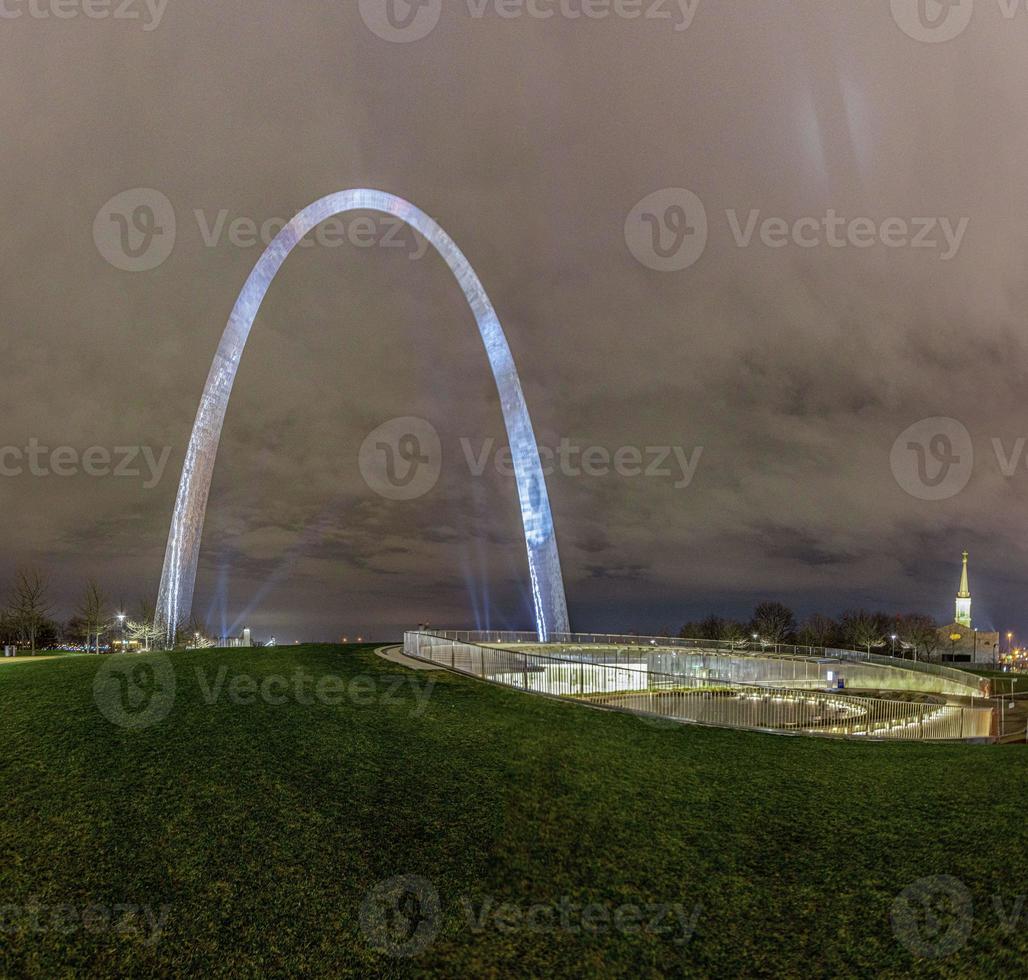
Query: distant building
[(959, 641), (240, 641)]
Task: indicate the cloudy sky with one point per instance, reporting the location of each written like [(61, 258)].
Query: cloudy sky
[(851, 260)]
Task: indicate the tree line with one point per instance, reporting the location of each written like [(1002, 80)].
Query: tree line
[(27, 620), (774, 623)]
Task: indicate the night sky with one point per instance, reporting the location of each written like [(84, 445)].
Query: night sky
[(794, 369)]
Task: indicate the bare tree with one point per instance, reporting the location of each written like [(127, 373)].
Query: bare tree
[(774, 622), (144, 630), (94, 614), (144, 633), (711, 628), (863, 629), (920, 631), (733, 633), (30, 605), (8, 629), (818, 631), (198, 638)]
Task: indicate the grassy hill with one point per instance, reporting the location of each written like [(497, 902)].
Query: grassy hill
[(255, 822)]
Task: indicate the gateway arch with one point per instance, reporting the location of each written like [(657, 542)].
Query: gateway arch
[(175, 599)]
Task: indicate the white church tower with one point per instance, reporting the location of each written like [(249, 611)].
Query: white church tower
[(963, 615)]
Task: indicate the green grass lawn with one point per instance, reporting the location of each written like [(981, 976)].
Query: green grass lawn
[(253, 830), (1001, 680)]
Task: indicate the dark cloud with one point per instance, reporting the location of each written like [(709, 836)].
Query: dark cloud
[(530, 141)]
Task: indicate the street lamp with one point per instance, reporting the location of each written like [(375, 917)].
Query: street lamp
[(1010, 637), (953, 638), (121, 623), (893, 638)]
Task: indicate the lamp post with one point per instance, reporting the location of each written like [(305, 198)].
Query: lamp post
[(1010, 638), (121, 623), (893, 638), (974, 656)]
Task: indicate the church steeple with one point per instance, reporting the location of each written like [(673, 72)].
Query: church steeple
[(963, 615)]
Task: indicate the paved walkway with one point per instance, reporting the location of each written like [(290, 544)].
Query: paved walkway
[(395, 655)]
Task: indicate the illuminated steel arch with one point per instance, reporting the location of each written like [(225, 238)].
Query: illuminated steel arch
[(175, 599)]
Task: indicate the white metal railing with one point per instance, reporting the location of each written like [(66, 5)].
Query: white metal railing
[(972, 684), (617, 681)]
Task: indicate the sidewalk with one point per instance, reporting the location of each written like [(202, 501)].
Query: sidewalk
[(395, 655)]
